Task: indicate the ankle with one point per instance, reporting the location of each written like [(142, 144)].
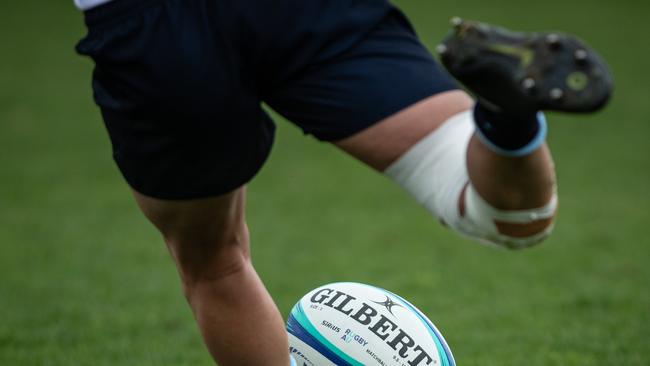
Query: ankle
[(510, 134)]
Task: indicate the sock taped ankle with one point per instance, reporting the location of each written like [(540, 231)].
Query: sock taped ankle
[(510, 135)]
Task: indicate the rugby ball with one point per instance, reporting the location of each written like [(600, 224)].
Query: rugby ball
[(354, 324)]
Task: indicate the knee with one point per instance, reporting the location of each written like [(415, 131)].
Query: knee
[(209, 262), (220, 278), (207, 238)]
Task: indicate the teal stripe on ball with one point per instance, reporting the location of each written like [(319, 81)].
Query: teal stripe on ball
[(299, 314)]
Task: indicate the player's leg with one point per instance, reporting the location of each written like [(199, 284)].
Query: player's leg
[(385, 96), (506, 183), (515, 75), (506, 193), (387, 103), (208, 240), (187, 133)]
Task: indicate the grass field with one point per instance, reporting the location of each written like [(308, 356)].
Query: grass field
[(85, 280)]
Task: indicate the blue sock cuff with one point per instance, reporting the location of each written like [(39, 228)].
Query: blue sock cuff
[(533, 145)]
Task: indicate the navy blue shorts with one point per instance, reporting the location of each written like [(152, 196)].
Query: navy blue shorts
[(180, 82)]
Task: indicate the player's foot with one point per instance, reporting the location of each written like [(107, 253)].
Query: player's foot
[(525, 72)]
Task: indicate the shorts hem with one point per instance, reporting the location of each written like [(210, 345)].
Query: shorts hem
[(385, 113)]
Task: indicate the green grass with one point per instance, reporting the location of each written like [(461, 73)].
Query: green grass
[(85, 280)]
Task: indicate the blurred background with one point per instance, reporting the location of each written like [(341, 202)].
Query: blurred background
[(85, 280)]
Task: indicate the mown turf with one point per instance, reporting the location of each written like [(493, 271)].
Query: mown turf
[(85, 280)]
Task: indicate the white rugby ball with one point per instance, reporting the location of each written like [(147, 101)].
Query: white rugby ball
[(361, 325)]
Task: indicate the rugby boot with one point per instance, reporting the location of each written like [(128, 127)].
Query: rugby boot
[(519, 73)]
